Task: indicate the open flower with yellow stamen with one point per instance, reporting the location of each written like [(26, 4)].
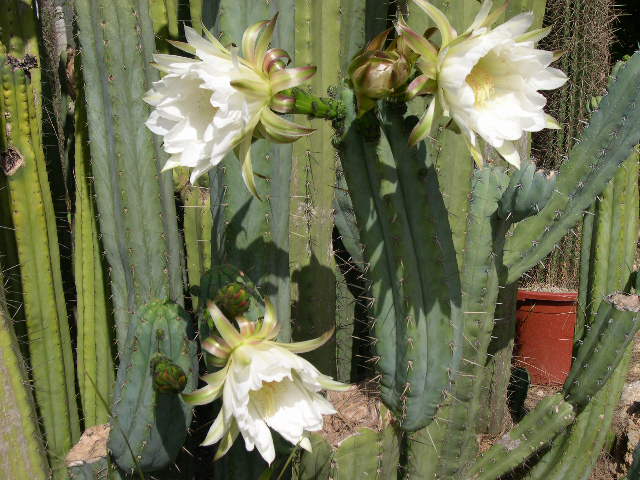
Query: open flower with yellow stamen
[(486, 80), (263, 385), (205, 107)]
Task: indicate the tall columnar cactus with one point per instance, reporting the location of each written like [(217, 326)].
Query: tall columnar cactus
[(149, 424), (34, 222), (135, 202), (18, 423), (443, 243), (95, 367)]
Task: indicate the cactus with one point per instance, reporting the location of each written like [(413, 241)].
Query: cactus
[(250, 234), (605, 267), (584, 29), (413, 365), (18, 421), (100, 470), (436, 245), (592, 163), (198, 224), (94, 338), (549, 417), (34, 222), (135, 202), (149, 427), (365, 453), (603, 347)]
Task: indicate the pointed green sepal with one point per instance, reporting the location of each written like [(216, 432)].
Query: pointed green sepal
[(227, 440), (281, 130), (226, 330), (423, 128), (422, 85), (421, 46), (290, 77), (440, 19), (307, 345)]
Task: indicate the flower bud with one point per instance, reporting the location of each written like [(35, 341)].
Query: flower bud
[(377, 73), (233, 300), (167, 376)]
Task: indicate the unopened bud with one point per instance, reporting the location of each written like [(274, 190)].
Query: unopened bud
[(377, 73), (233, 300), (167, 376)]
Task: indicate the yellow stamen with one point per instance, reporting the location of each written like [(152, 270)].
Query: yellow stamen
[(265, 398), (482, 83)]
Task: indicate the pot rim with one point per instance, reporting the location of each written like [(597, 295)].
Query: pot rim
[(548, 296)]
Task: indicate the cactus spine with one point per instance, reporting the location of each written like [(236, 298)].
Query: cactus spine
[(34, 221)]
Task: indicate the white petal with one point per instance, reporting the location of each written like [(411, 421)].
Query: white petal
[(217, 431), (517, 25), (510, 153)]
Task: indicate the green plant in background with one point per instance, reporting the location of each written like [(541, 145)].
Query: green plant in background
[(436, 243), (584, 31)]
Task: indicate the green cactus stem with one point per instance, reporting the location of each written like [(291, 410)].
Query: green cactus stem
[(135, 202), (405, 235), (33, 215), (551, 416), (366, 453), (250, 234), (149, 427), (95, 367), (198, 224), (22, 453)]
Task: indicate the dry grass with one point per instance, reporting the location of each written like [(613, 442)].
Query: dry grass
[(356, 408)]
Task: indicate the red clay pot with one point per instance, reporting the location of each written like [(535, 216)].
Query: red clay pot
[(544, 342)]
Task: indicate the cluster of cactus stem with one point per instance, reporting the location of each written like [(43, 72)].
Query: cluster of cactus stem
[(432, 239)]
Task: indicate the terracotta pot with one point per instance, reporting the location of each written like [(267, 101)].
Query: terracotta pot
[(544, 342)]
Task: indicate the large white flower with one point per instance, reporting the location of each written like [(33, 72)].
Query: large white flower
[(206, 106), (487, 80), (263, 385)]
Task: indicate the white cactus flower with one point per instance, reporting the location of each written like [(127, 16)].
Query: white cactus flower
[(487, 80), (263, 384), (204, 107)]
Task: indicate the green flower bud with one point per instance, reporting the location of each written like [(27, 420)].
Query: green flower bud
[(233, 300), (167, 376)]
